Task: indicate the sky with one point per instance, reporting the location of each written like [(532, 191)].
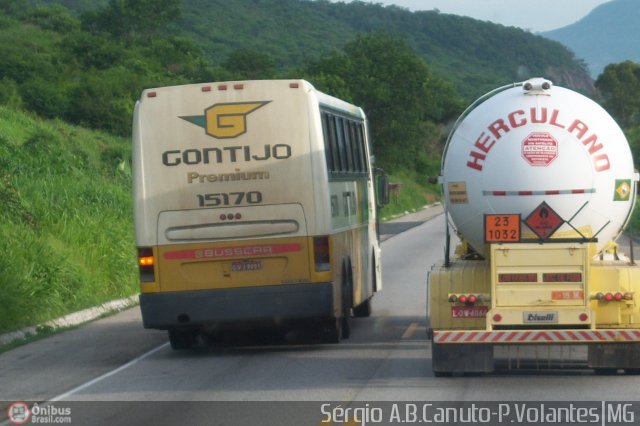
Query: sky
[(531, 15)]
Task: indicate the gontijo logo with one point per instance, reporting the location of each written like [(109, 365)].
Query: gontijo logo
[(227, 120)]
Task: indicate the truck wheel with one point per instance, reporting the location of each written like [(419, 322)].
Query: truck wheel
[(182, 339)]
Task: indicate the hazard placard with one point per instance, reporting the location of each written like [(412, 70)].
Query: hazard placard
[(501, 228), (544, 221), (539, 149)]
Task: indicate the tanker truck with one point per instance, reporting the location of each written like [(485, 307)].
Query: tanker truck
[(538, 183)]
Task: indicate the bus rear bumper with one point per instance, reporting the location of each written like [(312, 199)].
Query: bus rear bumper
[(278, 303)]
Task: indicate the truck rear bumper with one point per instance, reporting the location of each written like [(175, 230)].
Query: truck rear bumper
[(254, 304), (501, 337)]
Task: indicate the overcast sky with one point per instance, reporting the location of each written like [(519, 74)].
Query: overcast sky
[(532, 15)]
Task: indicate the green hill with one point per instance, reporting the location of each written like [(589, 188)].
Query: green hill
[(475, 56)]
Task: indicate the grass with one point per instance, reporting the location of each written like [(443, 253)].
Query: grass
[(66, 234), (414, 193)]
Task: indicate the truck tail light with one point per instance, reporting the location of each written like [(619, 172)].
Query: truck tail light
[(321, 254), (609, 297), (146, 262)]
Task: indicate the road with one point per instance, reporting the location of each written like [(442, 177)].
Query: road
[(386, 359)]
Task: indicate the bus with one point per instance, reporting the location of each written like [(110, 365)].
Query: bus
[(254, 203)]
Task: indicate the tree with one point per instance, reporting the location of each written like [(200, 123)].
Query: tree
[(250, 64), (128, 19), (619, 87), (396, 89)]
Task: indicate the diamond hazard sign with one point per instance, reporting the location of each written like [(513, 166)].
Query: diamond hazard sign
[(544, 221), (539, 149)]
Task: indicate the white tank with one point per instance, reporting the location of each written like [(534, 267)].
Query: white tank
[(532, 143)]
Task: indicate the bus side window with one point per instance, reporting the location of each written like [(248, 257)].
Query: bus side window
[(333, 144), (327, 141), (341, 144), (353, 137), (361, 147), (348, 141)]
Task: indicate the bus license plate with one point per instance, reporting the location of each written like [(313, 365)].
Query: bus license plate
[(246, 266)]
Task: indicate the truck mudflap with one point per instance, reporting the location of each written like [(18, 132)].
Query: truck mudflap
[(502, 337)]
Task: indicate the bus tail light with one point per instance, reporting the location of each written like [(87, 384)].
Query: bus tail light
[(321, 254), (146, 263)]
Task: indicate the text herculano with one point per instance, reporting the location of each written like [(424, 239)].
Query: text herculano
[(485, 142)]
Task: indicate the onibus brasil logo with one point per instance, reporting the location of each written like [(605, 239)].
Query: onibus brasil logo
[(226, 120)]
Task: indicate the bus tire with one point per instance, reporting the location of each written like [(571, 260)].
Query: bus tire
[(347, 300), (331, 331), (363, 310), (182, 339)]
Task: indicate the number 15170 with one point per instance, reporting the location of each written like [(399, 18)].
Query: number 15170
[(229, 199)]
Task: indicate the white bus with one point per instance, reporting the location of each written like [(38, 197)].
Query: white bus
[(254, 203)]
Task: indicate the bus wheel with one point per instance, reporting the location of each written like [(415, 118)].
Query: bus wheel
[(331, 331), (182, 339), (363, 310), (347, 301)]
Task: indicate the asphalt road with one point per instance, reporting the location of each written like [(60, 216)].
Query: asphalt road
[(137, 379)]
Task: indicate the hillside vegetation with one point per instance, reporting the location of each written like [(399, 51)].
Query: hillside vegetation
[(477, 56), (65, 228)]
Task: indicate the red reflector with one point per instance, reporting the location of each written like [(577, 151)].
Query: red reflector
[(294, 85), (462, 299), (471, 299), (608, 297), (222, 87), (584, 317), (238, 86), (518, 278), (151, 94), (206, 88), (497, 318), (618, 296), (571, 277)]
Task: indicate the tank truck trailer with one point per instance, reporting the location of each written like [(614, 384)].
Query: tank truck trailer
[(538, 183)]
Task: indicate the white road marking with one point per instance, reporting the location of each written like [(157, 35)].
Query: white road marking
[(107, 375)]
